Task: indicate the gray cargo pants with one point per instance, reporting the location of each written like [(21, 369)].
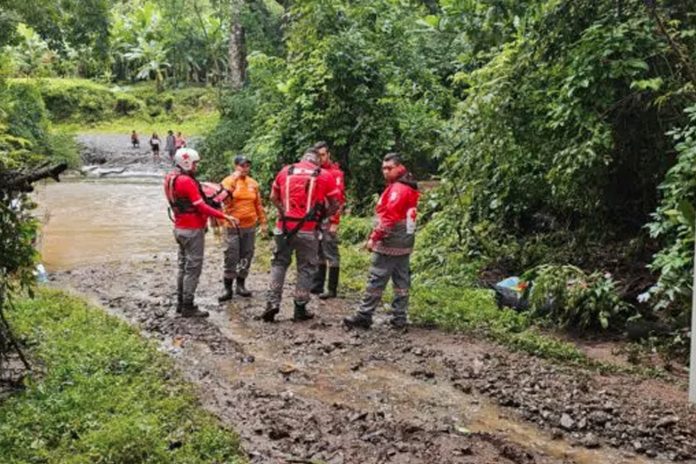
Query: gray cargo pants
[(328, 249), (382, 268), (239, 251), (306, 248), (190, 259)]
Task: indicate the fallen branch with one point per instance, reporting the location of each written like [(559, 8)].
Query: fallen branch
[(21, 180)]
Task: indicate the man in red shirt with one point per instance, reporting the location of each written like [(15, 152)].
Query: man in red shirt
[(391, 243), (299, 191), (328, 241), (191, 213)]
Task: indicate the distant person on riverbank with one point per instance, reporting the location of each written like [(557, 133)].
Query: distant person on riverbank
[(244, 203), (170, 145), (155, 146), (302, 192), (179, 141), (191, 214), (135, 141), (391, 243)]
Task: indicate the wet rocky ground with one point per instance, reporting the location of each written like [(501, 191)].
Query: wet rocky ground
[(113, 156), (314, 392)]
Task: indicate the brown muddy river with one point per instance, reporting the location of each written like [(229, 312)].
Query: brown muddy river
[(102, 221)]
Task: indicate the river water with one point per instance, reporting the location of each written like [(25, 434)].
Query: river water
[(88, 222)]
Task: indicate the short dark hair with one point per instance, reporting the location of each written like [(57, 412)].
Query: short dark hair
[(319, 145), (311, 155), (393, 157)]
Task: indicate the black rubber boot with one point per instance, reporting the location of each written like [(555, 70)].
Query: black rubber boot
[(270, 312), (301, 313), (357, 321), (398, 323), (241, 288), (179, 302), (227, 296), (188, 309), (333, 284), (319, 279)]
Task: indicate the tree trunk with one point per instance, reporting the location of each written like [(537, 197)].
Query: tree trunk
[(237, 47)]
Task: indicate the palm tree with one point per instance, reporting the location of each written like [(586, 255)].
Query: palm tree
[(151, 56)]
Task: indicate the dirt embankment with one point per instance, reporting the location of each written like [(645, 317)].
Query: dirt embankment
[(314, 392)]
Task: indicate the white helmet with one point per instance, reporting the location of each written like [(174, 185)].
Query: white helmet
[(185, 157)]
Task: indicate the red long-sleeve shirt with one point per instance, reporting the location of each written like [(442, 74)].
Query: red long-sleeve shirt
[(339, 178), (395, 217), (187, 188)]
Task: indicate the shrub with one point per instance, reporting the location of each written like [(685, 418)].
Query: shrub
[(127, 104), (355, 229), (569, 297), (77, 100)]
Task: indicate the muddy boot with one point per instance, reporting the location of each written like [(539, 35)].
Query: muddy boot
[(301, 313), (357, 321), (227, 296), (179, 303), (319, 278), (241, 289), (333, 284), (398, 323), (270, 312), (188, 309)]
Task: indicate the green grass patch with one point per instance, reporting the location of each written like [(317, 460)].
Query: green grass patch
[(103, 394), (195, 123), (81, 105)]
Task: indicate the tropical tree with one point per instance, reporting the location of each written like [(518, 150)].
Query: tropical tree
[(150, 56)]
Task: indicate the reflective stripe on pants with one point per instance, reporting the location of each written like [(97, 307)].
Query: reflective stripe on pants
[(305, 247), (382, 268)]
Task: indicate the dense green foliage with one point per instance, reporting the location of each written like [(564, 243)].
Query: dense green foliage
[(102, 395), (168, 41), (354, 73), (673, 223), (569, 297), (82, 102), (25, 141)]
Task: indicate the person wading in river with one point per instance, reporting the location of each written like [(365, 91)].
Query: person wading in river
[(244, 203), (191, 213), (391, 243), (155, 146), (301, 192), (328, 239), (170, 145)]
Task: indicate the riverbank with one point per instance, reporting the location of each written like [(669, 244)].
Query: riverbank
[(98, 392)]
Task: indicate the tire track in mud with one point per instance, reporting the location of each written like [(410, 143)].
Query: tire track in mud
[(313, 392)]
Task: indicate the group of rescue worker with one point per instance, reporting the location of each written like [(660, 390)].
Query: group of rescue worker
[(309, 196)]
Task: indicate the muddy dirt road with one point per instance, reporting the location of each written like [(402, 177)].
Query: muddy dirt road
[(314, 392)]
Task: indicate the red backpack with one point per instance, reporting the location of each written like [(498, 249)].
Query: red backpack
[(300, 197)]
